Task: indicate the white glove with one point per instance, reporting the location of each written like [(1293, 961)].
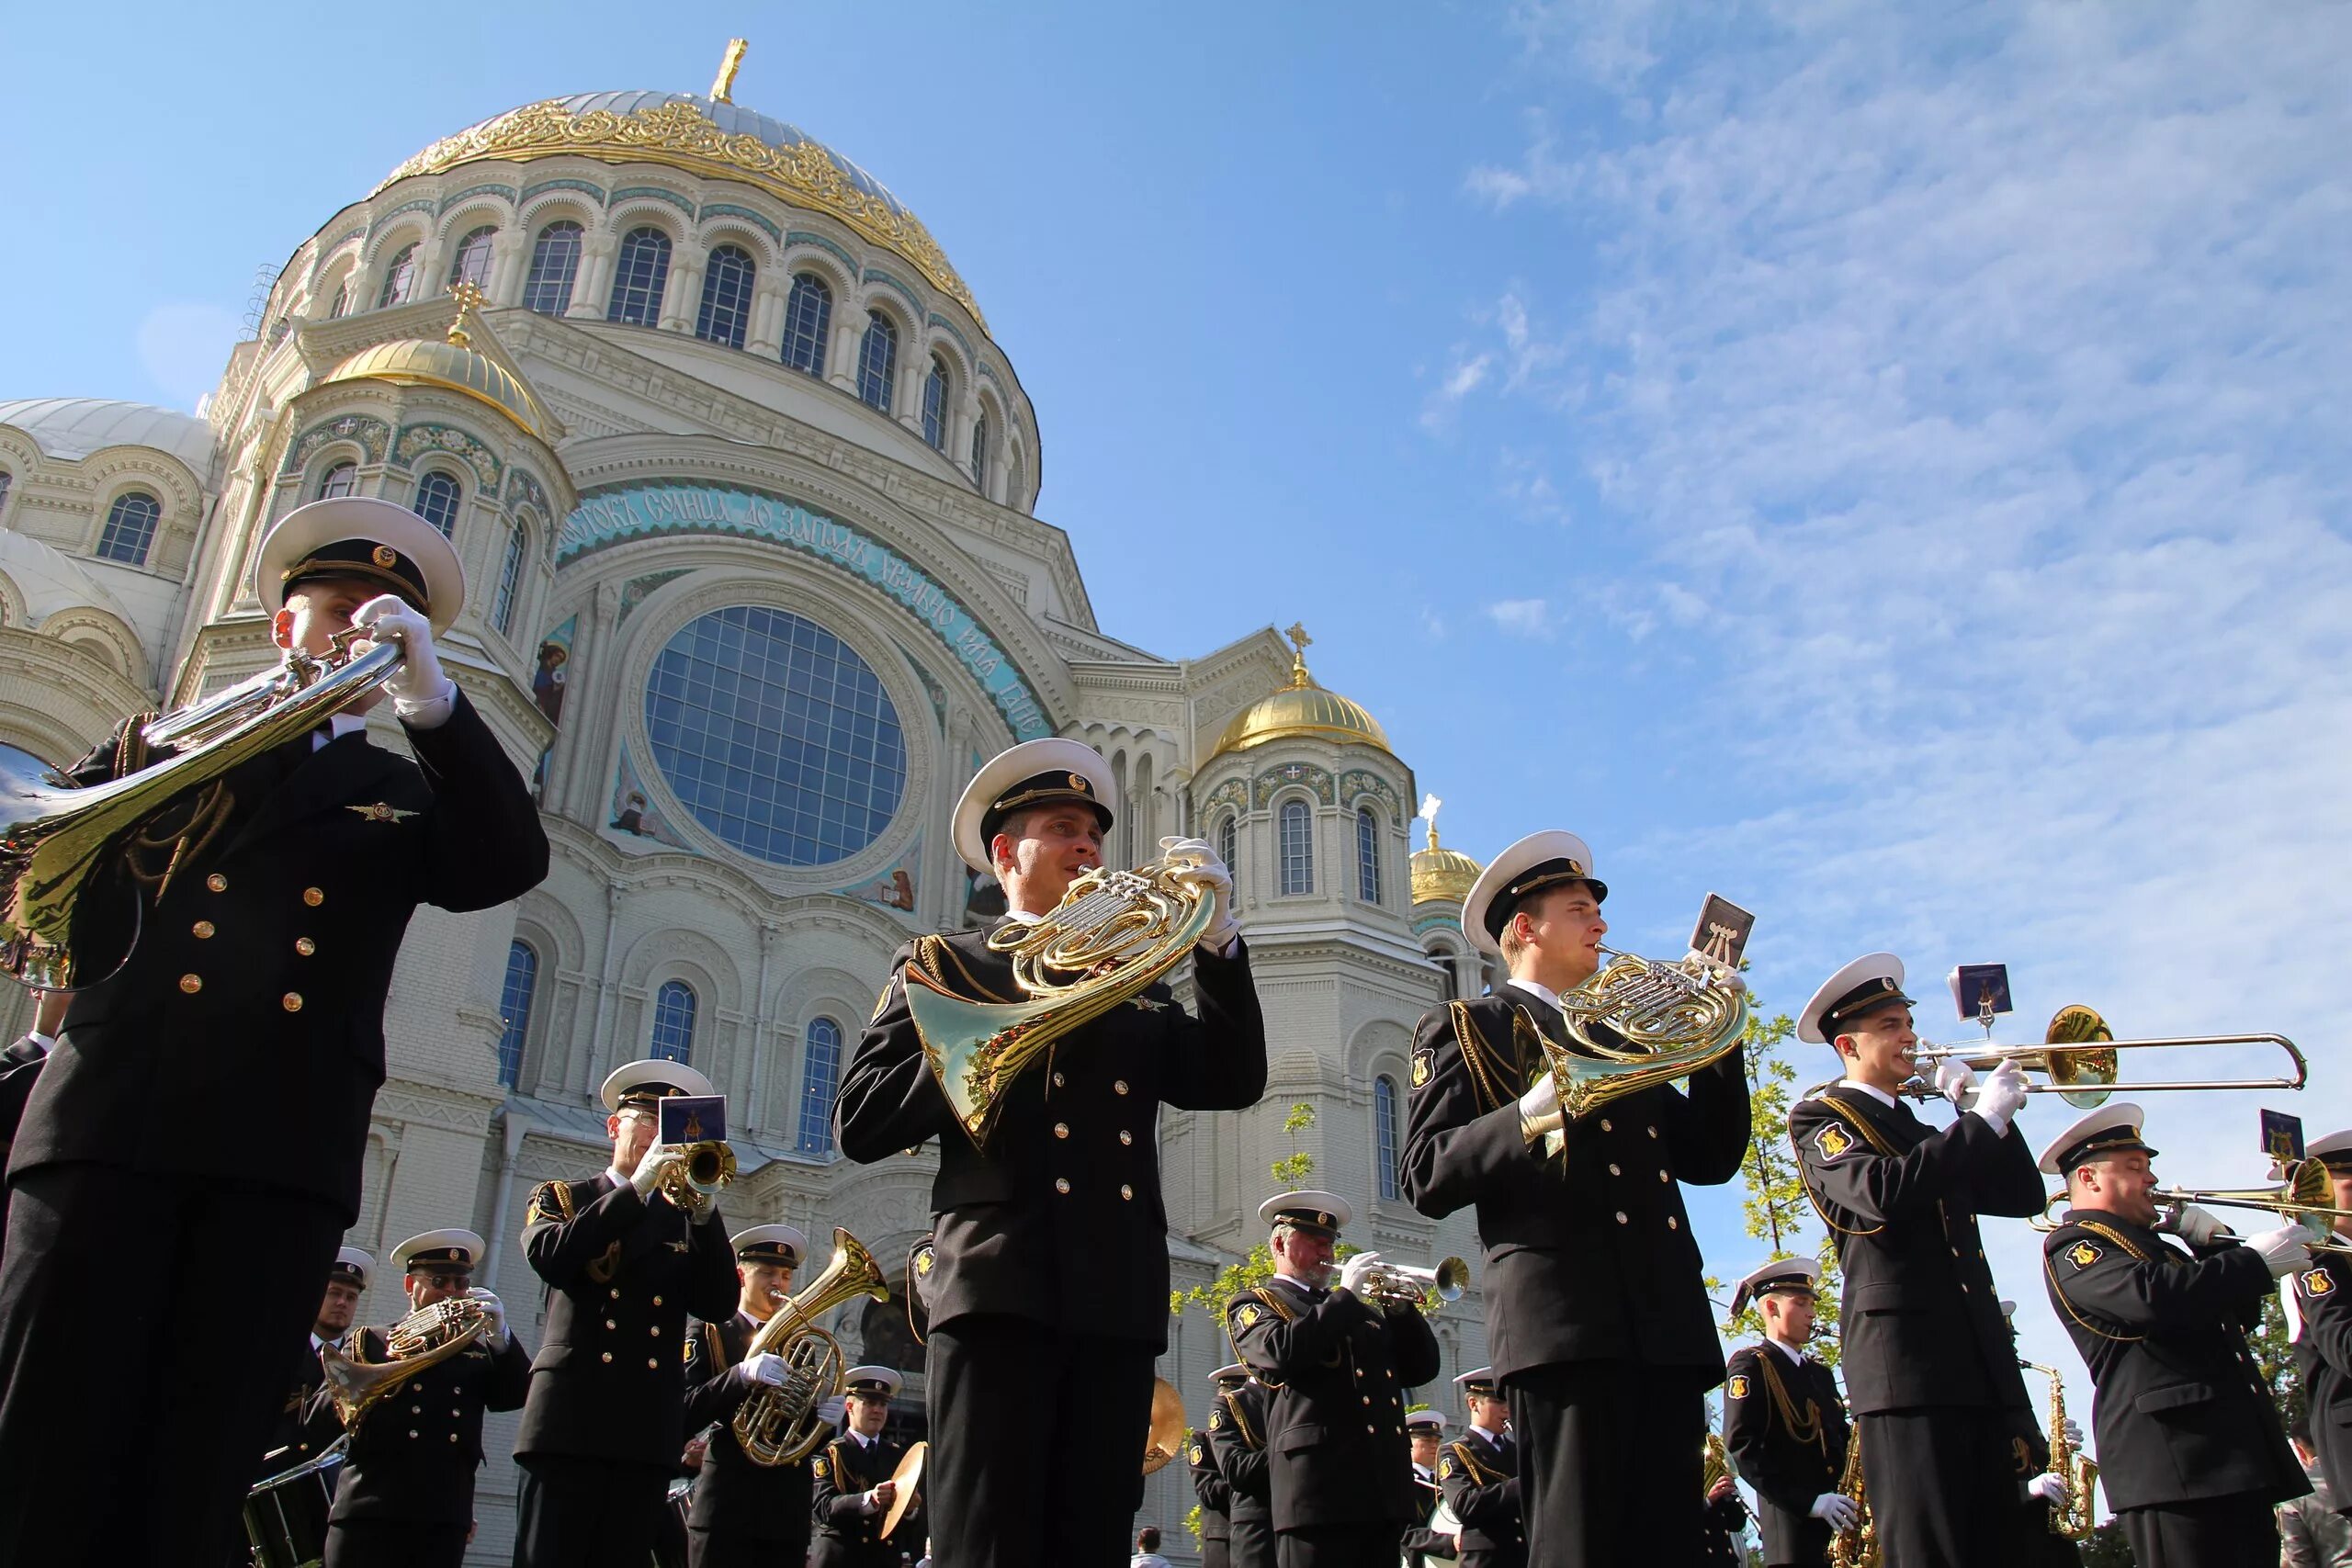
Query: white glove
[(2074, 1434), (1208, 869), (1352, 1271), (496, 1337), (767, 1368), (881, 1498), (2049, 1488), (2000, 1098), (419, 681), (2287, 1250), (647, 1177), (1724, 975), (1539, 1108), (2192, 1225), (1836, 1509), (1956, 1080)]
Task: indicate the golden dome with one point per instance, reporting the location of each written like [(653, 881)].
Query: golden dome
[(1301, 708), (1442, 876), (451, 366)]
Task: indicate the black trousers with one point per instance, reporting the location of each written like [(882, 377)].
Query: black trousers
[(1339, 1546), (2219, 1532), (113, 1301), (733, 1548), (1250, 1543), (1609, 1463), (1942, 1486), (1037, 1444), (397, 1543), (589, 1513), (1214, 1554)]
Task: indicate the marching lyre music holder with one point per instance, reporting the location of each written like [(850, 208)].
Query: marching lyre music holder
[(1980, 992)]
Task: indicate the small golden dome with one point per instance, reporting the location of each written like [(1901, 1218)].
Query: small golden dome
[(451, 366), (1301, 708), (1442, 875)]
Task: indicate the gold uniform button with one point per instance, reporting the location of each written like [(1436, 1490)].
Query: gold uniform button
[(417, 1409), (412, 1431), (1120, 1087), (291, 1001), (218, 883), (1125, 1136), (652, 1365), (1605, 1125), (657, 1301), (1672, 1223), (203, 930), (313, 897), (1367, 1399), (453, 1437), (1662, 1176), (655, 1331), (1061, 1129), (1613, 1170), (608, 1355), (191, 984), (1621, 1216), (615, 1293), (1126, 1190), (1058, 1080), (610, 1323), (1061, 1183), (305, 946)]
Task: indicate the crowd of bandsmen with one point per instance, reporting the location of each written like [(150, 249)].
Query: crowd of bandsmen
[(205, 1108)]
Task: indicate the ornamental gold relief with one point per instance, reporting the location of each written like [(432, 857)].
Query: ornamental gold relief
[(683, 135)]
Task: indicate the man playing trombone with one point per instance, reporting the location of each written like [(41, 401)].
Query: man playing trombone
[(1049, 1296), (2190, 1447), (1929, 1372), (744, 1512)]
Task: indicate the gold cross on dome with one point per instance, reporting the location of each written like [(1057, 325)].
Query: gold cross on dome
[(1300, 641), (732, 62), (469, 297)]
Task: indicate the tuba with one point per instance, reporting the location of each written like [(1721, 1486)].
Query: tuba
[(1855, 1548), (1113, 933), (2075, 1518), (55, 838), (779, 1425), (1641, 1022), (426, 1338)]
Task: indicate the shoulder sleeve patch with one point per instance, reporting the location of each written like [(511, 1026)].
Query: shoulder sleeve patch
[(2083, 1254), (2318, 1282), (1216, 1419), (1737, 1388), (1424, 1064), (1247, 1317), (1445, 1468), (817, 1467), (1195, 1453), (1832, 1140)]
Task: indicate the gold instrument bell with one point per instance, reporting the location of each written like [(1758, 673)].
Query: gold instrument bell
[(779, 1425)]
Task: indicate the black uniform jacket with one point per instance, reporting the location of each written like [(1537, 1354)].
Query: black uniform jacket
[(415, 1454), (1422, 1545), (306, 1423), (1237, 1445), (1920, 1318), (1481, 1483), (1061, 1220), (254, 995), (847, 1536), (1336, 1369), (735, 1493), (2324, 1360), (1210, 1488), (623, 1273), (20, 1068), (1785, 1427), (1589, 1253), (2179, 1412)]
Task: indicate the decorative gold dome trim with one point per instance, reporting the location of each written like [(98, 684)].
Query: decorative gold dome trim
[(1301, 708), (680, 135), (410, 362), (1442, 875)]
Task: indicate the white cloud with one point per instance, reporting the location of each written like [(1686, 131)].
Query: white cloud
[(184, 348), (1468, 374), (1522, 618)]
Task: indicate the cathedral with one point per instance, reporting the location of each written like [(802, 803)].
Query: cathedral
[(744, 486)]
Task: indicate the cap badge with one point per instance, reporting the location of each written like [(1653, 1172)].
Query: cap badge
[(2319, 1283), (1078, 784), (2083, 1254), (1737, 1388), (1832, 1141), (386, 557)]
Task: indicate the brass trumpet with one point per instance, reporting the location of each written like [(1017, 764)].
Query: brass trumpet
[(2081, 1057), (690, 1183), (1405, 1286)]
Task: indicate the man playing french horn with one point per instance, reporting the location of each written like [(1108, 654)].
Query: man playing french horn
[(1596, 1314), (1049, 1296), (744, 1512)]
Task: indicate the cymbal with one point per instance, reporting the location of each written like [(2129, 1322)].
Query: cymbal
[(905, 1478), (1166, 1438)]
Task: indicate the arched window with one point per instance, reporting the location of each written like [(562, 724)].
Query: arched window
[(472, 263), (130, 527), (877, 360), (437, 494), (727, 296), (980, 451), (808, 317), (1297, 848), (821, 1071), (1228, 840), (639, 280), (4, 482), (1384, 1130), (935, 405), (510, 579), (338, 481), (515, 1009), (1367, 855), (674, 1023), (341, 300), (399, 278), (555, 262)]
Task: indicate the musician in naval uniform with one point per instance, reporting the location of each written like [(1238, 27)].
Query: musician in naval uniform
[(625, 1266), (1931, 1376), (852, 1491), (1784, 1423), (1049, 1294), (1597, 1312), (406, 1498), (1337, 1361), (2039, 1489), (2192, 1456), (1420, 1545), (1214, 1495), (270, 909), (2323, 1347), (744, 1512), (306, 1423), (1237, 1448), (1479, 1472)]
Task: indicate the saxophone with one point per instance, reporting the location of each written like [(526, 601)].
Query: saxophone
[(1855, 1548), (2073, 1518)]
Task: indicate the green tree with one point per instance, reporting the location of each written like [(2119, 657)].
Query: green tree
[(2105, 1547), (2274, 1354), (1290, 1171), (1779, 1213)]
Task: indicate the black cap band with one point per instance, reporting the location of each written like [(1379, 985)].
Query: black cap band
[(368, 561), (442, 1260), (1534, 880), (2106, 1141), (1049, 788), (1870, 993)]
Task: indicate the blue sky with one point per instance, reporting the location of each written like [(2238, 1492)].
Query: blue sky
[(1887, 468)]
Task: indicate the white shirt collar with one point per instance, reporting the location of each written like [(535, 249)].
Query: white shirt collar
[(1791, 1351), (1541, 992), (340, 725), (862, 1440), (1493, 1440), (1423, 1470), (613, 1174), (1024, 916), (1301, 1286), (1874, 1092)]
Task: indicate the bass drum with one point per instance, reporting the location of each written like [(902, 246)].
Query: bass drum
[(285, 1516)]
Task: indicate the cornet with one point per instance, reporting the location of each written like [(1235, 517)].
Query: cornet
[(1407, 1286)]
